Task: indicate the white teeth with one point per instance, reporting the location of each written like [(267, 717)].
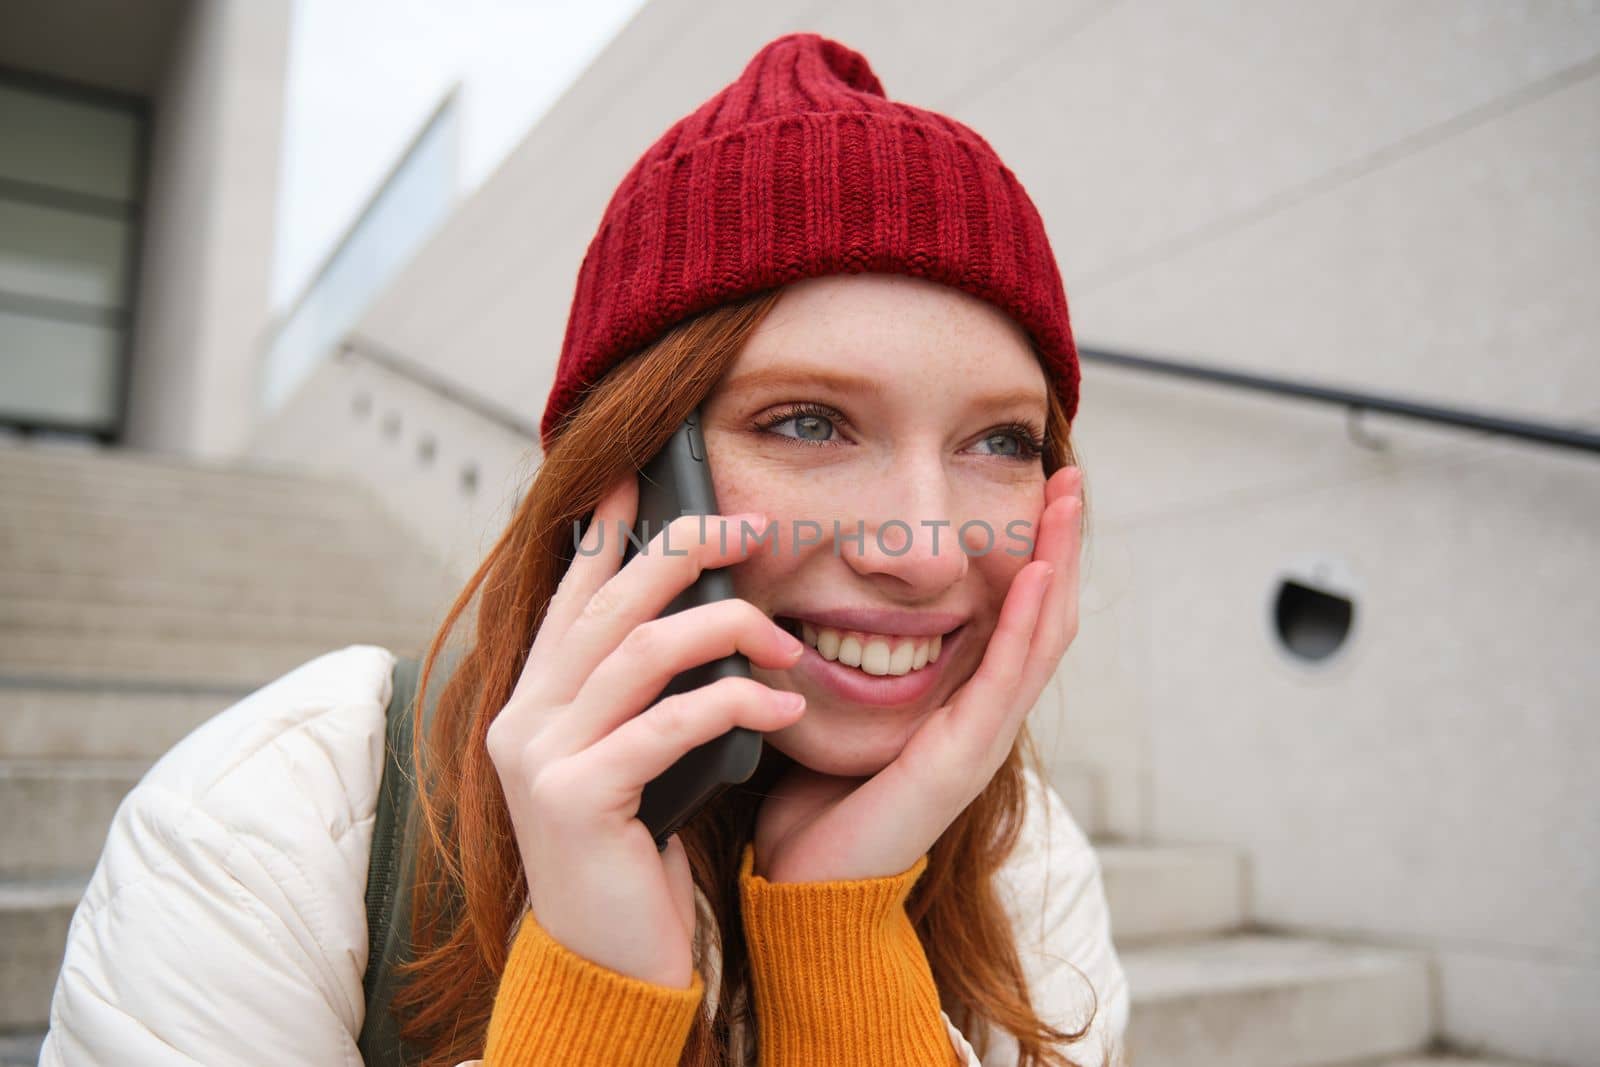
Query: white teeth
[(850, 652), (874, 655)]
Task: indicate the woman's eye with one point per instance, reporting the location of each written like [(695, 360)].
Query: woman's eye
[(1003, 444), (1012, 443), (818, 428)]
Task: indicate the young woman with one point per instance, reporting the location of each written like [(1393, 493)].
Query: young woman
[(859, 299)]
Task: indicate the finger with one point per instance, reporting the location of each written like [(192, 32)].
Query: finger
[(988, 700), (615, 770), (638, 669), (1067, 480), (638, 592), (1060, 543), (594, 561)]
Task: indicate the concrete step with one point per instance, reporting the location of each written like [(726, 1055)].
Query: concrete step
[(27, 509), (58, 812), (1269, 1001), (21, 1049), (193, 502), (26, 453), (365, 528), (282, 538), (335, 504), (139, 596), (221, 664), (1447, 1060), (77, 620), (415, 595), (34, 918), (116, 722), (210, 577), (1172, 892), (199, 554), (123, 475)]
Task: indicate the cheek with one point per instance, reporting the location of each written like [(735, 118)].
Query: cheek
[(739, 490), (1013, 518), (762, 578), (995, 573), (737, 487), (750, 482), (991, 574)]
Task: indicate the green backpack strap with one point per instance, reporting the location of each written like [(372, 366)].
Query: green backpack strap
[(389, 872)]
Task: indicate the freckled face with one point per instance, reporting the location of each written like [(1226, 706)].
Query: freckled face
[(866, 399)]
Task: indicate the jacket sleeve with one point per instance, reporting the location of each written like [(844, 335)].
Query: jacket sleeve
[(224, 922)]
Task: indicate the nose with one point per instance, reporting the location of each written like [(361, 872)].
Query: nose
[(914, 545)]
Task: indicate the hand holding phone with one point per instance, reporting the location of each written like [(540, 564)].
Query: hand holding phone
[(586, 731), (677, 481)]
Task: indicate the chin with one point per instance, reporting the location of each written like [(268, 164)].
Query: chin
[(852, 750)]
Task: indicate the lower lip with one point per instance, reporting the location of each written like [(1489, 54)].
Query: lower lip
[(887, 690)]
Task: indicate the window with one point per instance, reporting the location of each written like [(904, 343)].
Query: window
[(70, 212)]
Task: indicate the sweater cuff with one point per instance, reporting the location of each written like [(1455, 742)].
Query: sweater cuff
[(554, 1006), (839, 974)]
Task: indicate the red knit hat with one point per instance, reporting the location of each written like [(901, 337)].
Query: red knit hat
[(802, 167)]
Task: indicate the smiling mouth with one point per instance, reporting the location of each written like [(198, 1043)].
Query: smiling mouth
[(874, 654)]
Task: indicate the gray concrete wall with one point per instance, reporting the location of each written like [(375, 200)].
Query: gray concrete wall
[(207, 256), (1398, 198)]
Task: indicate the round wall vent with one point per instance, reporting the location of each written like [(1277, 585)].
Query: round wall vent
[(1313, 609)]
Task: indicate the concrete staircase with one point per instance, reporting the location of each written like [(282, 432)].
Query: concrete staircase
[(1209, 989), (138, 597)]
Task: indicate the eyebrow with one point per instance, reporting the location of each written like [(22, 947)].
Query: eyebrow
[(846, 383)]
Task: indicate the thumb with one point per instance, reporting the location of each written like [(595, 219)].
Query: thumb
[(680, 883)]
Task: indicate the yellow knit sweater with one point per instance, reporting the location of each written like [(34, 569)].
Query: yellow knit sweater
[(839, 977)]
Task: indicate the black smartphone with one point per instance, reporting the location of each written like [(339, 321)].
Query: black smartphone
[(677, 481)]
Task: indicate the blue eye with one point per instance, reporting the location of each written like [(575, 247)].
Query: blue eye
[(1016, 442), (813, 424)]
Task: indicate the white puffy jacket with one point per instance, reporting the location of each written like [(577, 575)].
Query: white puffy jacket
[(226, 922)]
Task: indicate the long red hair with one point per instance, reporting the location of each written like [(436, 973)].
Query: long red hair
[(470, 886)]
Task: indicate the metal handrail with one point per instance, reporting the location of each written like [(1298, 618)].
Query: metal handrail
[(1356, 402), (400, 366)]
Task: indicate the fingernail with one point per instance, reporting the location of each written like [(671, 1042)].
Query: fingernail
[(785, 700), (749, 530), (593, 528), (790, 642)]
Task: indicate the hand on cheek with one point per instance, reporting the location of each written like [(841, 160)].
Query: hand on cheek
[(815, 827)]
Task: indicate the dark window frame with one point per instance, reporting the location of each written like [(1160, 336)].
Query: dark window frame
[(134, 212)]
